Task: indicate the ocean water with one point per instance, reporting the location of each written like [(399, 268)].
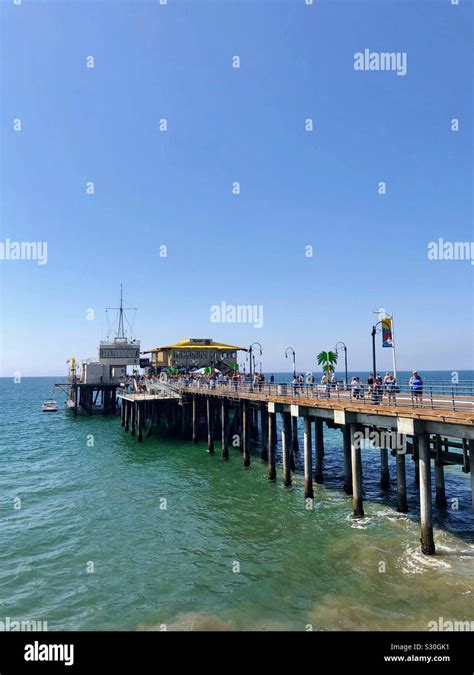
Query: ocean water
[(178, 537)]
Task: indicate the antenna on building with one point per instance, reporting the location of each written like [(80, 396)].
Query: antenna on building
[(121, 336)]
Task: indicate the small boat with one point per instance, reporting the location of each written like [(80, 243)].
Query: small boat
[(49, 405)]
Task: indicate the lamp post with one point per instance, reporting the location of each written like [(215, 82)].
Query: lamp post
[(294, 355), (250, 354), (345, 360)]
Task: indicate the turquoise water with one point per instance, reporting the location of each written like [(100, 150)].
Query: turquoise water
[(229, 550)]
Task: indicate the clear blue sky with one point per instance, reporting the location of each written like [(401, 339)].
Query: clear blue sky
[(246, 125)]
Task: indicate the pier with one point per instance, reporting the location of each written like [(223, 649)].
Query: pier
[(438, 433)]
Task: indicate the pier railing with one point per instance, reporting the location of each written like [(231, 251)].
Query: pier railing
[(430, 396)]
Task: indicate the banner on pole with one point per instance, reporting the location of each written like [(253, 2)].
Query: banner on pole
[(387, 339)]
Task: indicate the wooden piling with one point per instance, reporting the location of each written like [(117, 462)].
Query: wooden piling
[(308, 463), (253, 418), (122, 414), (346, 432), (264, 428), (384, 471), (440, 498), (426, 516), (402, 504), (416, 461), (140, 420), (286, 450), (246, 434), (151, 420), (134, 418), (210, 438), (471, 469), (319, 450), (294, 435), (194, 429), (126, 404), (225, 424), (356, 474), (271, 446)]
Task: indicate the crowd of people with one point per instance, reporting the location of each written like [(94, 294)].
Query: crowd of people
[(375, 388)]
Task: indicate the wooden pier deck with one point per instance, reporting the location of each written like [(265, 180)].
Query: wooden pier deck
[(436, 434)]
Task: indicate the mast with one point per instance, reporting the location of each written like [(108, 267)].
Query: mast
[(121, 336), (121, 331)]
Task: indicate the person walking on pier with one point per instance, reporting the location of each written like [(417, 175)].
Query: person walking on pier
[(391, 386), (370, 384), (416, 384), (377, 390), (327, 384), (295, 384), (355, 387)]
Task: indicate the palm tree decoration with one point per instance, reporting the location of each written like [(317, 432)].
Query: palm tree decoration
[(327, 360)]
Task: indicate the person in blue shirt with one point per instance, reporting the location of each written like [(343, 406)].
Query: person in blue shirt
[(416, 384)]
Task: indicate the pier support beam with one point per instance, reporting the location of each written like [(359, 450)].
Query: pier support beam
[(356, 474), (286, 450), (246, 433), (294, 435), (346, 432), (416, 461), (319, 448), (225, 424), (308, 463), (194, 430), (271, 446), (402, 504), (384, 472), (122, 414), (440, 499), (426, 516), (210, 430), (134, 418), (471, 467), (140, 421), (126, 405), (264, 427)]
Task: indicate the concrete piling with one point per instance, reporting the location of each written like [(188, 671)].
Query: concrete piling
[(246, 434), (356, 474), (294, 435), (264, 428), (471, 469), (286, 449), (346, 432), (194, 430), (308, 464), (426, 516), (319, 451), (384, 471), (440, 498), (134, 418), (140, 421), (126, 404), (210, 430), (271, 446), (225, 424), (402, 504)]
